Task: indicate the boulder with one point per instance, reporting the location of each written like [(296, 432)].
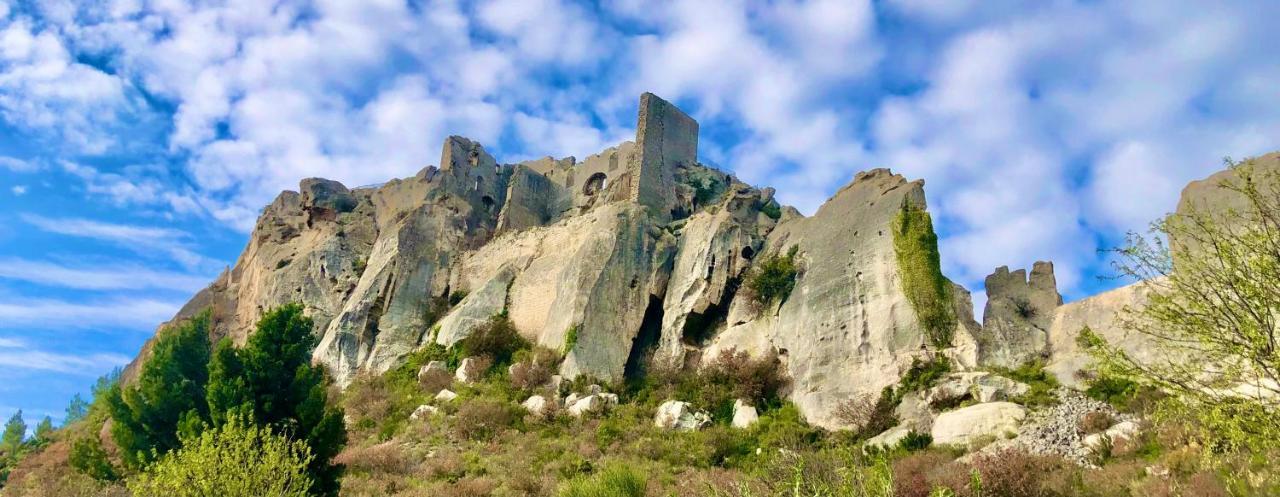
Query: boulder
[(537, 404), (609, 399), (589, 404), (1123, 429), (432, 368), (889, 438), (423, 411), (556, 385), (446, 395), (680, 416), (467, 370), (744, 414), (962, 426), (982, 386)]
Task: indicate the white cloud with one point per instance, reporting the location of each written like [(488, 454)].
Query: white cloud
[(17, 165), (49, 314), (102, 276), (19, 190), (144, 240), (40, 360)]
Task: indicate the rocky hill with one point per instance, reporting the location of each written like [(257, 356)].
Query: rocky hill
[(636, 257)]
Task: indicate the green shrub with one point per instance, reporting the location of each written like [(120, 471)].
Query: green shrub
[(497, 338), (915, 441), (772, 209), (773, 278), (237, 459), (615, 480), (919, 266), (1042, 383), (571, 338), (923, 375), (87, 456)]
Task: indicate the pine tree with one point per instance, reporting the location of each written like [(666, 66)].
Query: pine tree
[(168, 396), (272, 382), (15, 431), (44, 430), (76, 410)]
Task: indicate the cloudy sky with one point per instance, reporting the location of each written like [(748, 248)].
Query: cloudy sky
[(140, 138)]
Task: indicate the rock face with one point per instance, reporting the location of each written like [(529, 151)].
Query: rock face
[(1015, 326), (744, 414), (638, 257), (847, 329), (962, 426)]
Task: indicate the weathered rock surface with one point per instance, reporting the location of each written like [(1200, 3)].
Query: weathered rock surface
[(889, 438), (590, 404), (965, 425), (680, 416), (446, 395), (1015, 325), (537, 404), (847, 328)]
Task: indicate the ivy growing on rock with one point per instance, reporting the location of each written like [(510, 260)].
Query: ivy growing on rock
[(919, 266)]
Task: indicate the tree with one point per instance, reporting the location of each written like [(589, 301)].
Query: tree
[(76, 410), (236, 459), (44, 430), (272, 381), (1213, 310), (168, 395), (15, 431), (87, 456)]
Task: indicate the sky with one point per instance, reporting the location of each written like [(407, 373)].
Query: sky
[(139, 139)]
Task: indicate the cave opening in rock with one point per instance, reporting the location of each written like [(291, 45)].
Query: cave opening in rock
[(646, 341), (488, 202), (701, 326)]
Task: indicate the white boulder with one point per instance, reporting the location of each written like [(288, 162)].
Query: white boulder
[(537, 404), (446, 395), (1123, 429), (423, 411), (466, 370), (677, 415), (744, 414), (962, 426), (889, 438), (433, 367), (587, 405)]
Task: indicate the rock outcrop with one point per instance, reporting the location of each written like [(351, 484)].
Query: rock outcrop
[(1015, 325), (636, 257)]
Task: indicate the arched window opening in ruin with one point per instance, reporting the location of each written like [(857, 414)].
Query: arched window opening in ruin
[(595, 184), (488, 202)]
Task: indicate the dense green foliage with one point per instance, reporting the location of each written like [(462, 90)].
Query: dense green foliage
[(772, 209), (88, 457), (15, 431), (920, 268), (272, 382), (235, 459), (770, 282), (496, 339), (168, 396), (1042, 383)]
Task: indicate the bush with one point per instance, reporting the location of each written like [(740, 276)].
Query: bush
[(736, 375), (923, 375), (480, 419), (88, 457), (496, 338), (772, 209), (616, 480), (913, 441), (534, 369), (1095, 422), (1042, 383), (1015, 473), (238, 459), (772, 279)]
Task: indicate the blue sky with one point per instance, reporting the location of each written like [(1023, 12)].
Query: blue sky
[(140, 138)]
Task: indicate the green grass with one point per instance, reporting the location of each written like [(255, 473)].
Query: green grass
[(916, 246), (615, 480)]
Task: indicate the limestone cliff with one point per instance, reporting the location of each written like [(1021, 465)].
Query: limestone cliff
[(636, 257)]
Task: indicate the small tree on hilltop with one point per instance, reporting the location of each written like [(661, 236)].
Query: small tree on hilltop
[(15, 431), (1213, 311)]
